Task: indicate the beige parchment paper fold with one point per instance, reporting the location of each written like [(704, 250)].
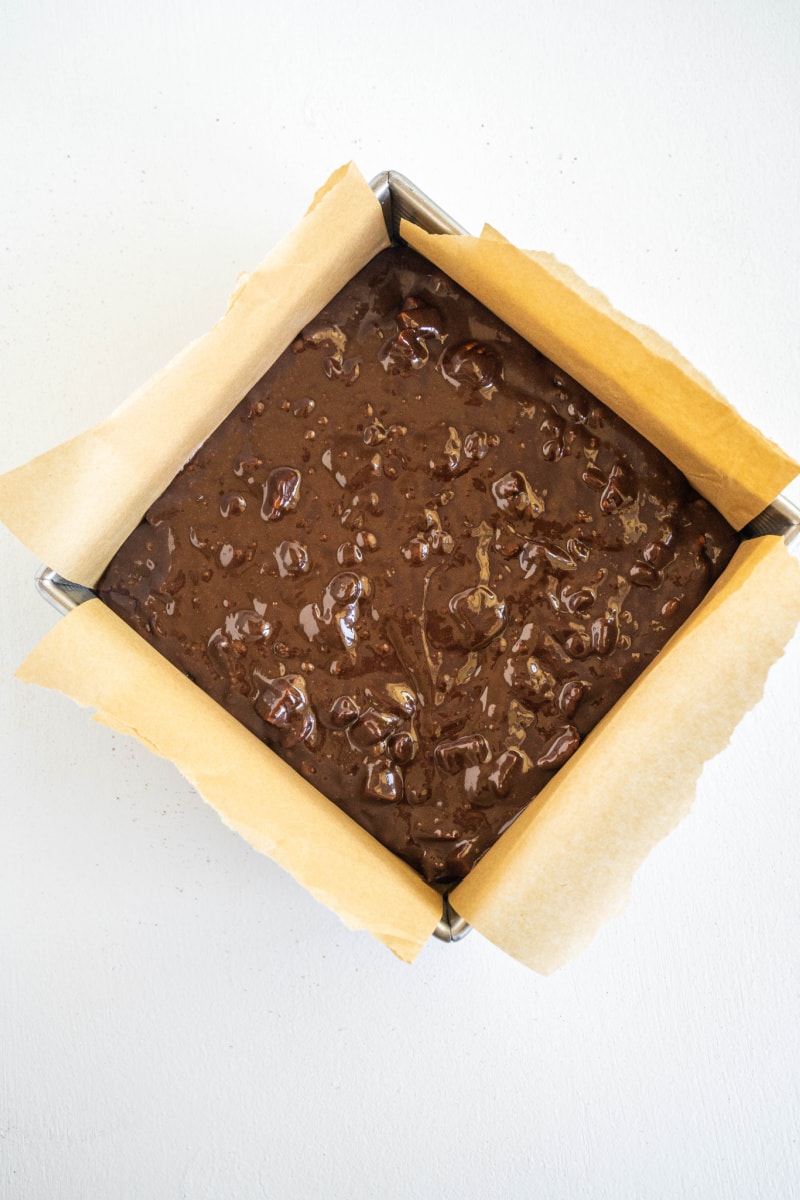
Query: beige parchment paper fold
[(628, 366), (567, 864), (75, 505), (100, 662)]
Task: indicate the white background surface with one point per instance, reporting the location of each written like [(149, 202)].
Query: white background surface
[(179, 1019)]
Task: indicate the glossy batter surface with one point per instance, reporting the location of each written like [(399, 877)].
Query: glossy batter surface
[(420, 562)]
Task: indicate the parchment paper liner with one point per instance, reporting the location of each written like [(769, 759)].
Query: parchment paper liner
[(626, 365), (565, 865), (99, 661)]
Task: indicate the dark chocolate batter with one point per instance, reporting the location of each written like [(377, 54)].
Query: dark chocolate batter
[(420, 562)]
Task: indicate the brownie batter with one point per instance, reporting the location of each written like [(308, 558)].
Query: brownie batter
[(420, 562)]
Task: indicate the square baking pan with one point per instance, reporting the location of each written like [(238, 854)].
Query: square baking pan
[(400, 199)]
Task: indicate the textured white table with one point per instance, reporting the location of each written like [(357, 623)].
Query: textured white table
[(179, 1019)]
